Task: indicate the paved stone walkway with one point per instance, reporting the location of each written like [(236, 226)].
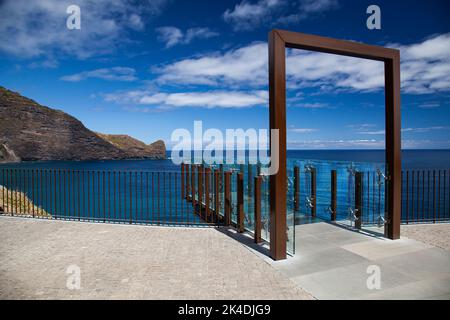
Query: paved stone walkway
[(132, 262), (437, 235)]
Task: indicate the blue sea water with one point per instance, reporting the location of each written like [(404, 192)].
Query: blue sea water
[(140, 207), (411, 159)]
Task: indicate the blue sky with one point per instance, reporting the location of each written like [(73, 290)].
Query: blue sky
[(145, 68)]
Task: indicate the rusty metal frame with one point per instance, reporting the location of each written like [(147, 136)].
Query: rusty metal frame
[(279, 40)]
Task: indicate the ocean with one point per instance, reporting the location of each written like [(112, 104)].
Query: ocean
[(411, 159), (50, 191)]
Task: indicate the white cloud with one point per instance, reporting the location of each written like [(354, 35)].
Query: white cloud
[(429, 105), (366, 144), (315, 105), (248, 66), (337, 144), (426, 65), (172, 36), (313, 6), (38, 28), (302, 130), (364, 131), (249, 15), (425, 129), (112, 74), (208, 99)]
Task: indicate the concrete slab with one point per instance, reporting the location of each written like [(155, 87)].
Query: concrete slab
[(349, 282), (332, 263), (383, 248)]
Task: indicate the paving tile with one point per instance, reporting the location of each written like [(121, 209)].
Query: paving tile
[(349, 282), (384, 248), (132, 262)]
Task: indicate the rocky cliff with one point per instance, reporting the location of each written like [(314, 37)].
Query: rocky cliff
[(29, 131), (134, 147)]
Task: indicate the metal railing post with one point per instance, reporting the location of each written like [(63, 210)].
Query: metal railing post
[(183, 191), (207, 195), (200, 189), (227, 198), (257, 208), (313, 192), (333, 205), (358, 199), (296, 188), (240, 202), (216, 195), (188, 179), (193, 185)]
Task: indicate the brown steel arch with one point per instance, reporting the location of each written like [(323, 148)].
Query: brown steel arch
[(279, 40)]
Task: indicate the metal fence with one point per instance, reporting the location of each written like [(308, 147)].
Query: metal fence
[(425, 196), (218, 195), (87, 195), (360, 196)]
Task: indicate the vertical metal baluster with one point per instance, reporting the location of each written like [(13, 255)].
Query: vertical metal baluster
[(3, 191), (240, 202), (439, 196), (207, 172), (54, 193), (333, 204), (170, 198), (119, 186), (142, 201), (412, 197), (78, 195), (423, 195), (445, 204), (185, 213), (136, 196), (24, 192), (153, 197), (131, 197), (99, 201), (65, 193), (227, 197), (83, 195), (373, 194), (428, 196), (434, 196), (49, 187), (125, 195), (175, 188), (8, 191), (60, 211), (109, 196), (216, 196), (18, 191), (182, 180), (164, 197), (158, 198), (42, 194), (115, 190), (14, 191), (89, 195), (407, 197), (257, 208), (147, 193), (418, 197), (104, 196), (119, 193)]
